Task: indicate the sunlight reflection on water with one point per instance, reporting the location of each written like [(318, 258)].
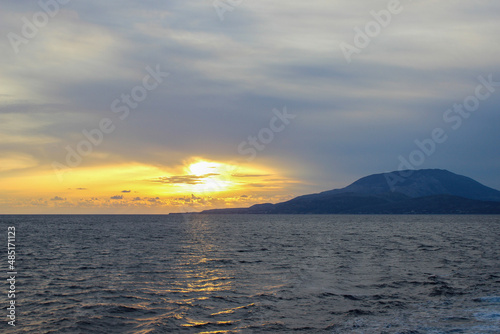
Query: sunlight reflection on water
[(252, 274)]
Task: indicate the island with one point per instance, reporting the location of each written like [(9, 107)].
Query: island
[(425, 191)]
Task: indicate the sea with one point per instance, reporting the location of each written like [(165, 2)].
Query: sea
[(252, 274)]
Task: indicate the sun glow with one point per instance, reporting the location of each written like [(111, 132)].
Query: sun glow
[(194, 185), (210, 176), (204, 167)]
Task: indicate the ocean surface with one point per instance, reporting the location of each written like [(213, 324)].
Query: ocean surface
[(254, 274)]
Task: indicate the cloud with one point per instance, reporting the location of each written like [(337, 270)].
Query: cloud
[(117, 197), (15, 161), (57, 198), (126, 191), (226, 77), (184, 179)]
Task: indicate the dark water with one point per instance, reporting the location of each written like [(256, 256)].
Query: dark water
[(255, 274)]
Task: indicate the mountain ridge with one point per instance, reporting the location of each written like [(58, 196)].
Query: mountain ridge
[(424, 191)]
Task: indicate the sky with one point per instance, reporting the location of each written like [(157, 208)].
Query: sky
[(175, 106)]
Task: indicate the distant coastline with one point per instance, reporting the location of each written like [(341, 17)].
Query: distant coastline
[(425, 191)]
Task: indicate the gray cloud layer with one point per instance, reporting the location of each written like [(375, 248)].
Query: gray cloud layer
[(226, 77)]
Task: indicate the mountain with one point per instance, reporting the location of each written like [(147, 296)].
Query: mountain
[(426, 191), (420, 183)]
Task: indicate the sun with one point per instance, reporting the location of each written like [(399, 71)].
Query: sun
[(203, 168), (211, 176), (197, 176)]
